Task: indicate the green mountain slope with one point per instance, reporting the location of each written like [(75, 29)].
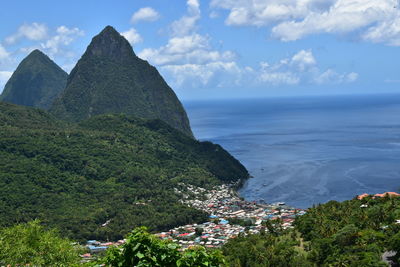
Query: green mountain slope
[(36, 82), (111, 168), (110, 78)]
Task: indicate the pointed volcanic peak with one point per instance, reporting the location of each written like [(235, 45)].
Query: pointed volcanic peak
[(36, 82), (110, 78), (110, 44)]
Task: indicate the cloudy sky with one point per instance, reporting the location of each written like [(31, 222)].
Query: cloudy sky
[(224, 48)]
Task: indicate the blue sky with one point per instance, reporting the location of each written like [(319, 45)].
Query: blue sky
[(224, 48)]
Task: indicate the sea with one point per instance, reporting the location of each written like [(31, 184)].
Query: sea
[(307, 150)]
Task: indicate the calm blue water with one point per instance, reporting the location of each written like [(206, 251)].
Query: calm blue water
[(305, 151)]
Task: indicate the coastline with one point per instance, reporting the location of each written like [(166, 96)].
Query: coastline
[(229, 217)]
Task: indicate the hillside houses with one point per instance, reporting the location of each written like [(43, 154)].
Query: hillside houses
[(229, 217)]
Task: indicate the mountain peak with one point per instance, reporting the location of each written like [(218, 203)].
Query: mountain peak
[(37, 55), (36, 82), (111, 44), (37, 52), (110, 78)]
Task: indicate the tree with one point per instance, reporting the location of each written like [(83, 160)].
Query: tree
[(32, 244), (144, 249)]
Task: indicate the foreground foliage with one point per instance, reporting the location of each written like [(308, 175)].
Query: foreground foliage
[(352, 233), (32, 244), (103, 177), (265, 250), (144, 249), (349, 233)]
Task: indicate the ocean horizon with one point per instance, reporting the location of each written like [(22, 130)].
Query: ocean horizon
[(307, 150)]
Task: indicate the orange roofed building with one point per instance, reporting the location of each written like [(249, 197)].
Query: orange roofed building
[(390, 194), (362, 196)]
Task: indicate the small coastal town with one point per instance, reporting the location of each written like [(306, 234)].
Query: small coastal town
[(229, 216)]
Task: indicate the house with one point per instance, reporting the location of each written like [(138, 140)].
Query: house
[(362, 196)]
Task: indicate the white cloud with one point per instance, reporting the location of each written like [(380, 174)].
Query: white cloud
[(331, 76), (351, 77), (132, 36), (387, 32), (304, 59), (265, 12), (279, 78), (301, 68), (33, 32), (343, 17), (4, 77), (145, 14), (187, 24), (3, 53), (215, 74), (371, 20), (189, 60), (63, 37), (190, 49)]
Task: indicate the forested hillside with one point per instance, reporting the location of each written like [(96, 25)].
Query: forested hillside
[(111, 170)]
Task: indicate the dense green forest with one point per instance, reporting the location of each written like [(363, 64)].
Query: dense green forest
[(350, 233), (110, 168)]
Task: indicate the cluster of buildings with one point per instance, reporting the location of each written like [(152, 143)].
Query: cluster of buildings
[(388, 194), (95, 246), (229, 216)]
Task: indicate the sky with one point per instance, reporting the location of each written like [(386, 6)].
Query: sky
[(215, 49)]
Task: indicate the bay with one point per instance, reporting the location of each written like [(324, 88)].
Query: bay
[(307, 150)]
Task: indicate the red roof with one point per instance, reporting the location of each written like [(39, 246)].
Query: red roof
[(185, 234)]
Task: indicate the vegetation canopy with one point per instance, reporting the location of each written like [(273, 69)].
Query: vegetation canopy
[(110, 168)]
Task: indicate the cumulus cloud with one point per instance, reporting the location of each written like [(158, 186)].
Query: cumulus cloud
[(266, 12), (303, 68), (132, 36), (63, 37), (387, 32), (304, 59), (33, 32), (372, 20), (190, 49), (3, 53), (202, 75), (343, 17), (145, 14), (331, 76), (186, 24), (189, 60)]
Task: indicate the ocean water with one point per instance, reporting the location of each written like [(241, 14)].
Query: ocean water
[(308, 150)]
